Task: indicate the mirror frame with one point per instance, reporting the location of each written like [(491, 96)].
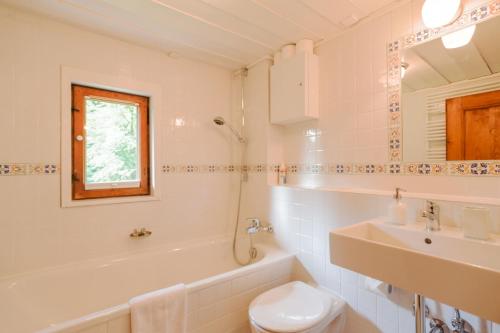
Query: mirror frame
[(481, 13)]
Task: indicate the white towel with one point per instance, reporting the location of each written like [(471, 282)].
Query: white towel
[(160, 311)]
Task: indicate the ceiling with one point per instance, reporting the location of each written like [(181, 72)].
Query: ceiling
[(432, 65), (228, 33)]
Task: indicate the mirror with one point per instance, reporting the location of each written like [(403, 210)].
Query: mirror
[(450, 97)]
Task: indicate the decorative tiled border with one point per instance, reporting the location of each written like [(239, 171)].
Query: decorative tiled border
[(478, 14), (28, 169), (459, 168), (218, 168)]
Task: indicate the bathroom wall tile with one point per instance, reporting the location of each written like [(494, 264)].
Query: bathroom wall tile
[(213, 294), (401, 19), (119, 325), (333, 277), (307, 259), (319, 270), (387, 315), (192, 321), (348, 276), (406, 320), (306, 244), (207, 314), (247, 282), (240, 301), (228, 312), (46, 234), (380, 119), (306, 228), (350, 293), (364, 120), (102, 328), (367, 304), (320, 240), (228, 323), (193, 301)]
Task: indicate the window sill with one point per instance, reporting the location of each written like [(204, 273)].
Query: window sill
[(109, 201)]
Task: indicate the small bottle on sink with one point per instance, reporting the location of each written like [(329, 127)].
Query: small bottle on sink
[(397, 209)]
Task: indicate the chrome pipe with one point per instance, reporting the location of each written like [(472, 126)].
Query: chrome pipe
[(419, 314)]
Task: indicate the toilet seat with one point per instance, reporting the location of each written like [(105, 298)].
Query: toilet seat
[(292, 307)]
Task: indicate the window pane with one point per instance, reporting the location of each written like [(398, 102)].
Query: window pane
[(111, 142)]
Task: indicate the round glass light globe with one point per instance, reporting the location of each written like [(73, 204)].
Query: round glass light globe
[(458, 38), (438, 13)]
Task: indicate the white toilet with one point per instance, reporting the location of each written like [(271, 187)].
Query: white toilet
[(296, 307)]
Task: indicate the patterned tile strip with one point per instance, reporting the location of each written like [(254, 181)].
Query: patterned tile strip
[(218, 168), (459, 168), (27, 169)]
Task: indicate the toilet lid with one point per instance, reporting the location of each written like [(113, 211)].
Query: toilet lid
[(292, 307)]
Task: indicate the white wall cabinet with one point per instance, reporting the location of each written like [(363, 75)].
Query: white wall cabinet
[(294, 89)]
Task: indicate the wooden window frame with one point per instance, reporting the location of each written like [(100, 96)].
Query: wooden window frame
[(78, 94)]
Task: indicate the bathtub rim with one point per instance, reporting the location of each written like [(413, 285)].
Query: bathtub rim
[(273, 254)]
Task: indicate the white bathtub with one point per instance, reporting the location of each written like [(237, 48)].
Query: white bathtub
[(92, 296)]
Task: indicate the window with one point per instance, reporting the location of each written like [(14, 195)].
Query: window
[(110, 144)]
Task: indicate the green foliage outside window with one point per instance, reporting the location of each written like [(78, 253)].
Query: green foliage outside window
[(111, 141)]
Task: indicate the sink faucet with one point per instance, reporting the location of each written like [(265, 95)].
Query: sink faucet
[(431, 213), (256, 226)]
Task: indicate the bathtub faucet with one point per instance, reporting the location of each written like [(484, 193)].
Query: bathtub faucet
[(256, 226), (140, 233)]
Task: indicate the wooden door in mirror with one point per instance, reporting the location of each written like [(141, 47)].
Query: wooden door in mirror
[(473, 127)]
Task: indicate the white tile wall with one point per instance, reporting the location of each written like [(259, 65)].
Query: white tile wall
[(372, 309), (352, 126), (37, 232)]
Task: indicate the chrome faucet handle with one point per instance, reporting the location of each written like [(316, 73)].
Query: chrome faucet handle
[(431, 212), (460, 325), (256, 226), (432, 207), (253, 222), (140, 233), (253, 225)]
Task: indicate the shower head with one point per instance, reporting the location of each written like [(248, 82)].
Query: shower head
[(219, 121)]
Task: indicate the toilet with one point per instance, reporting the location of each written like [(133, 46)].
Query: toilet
[(296, 307)]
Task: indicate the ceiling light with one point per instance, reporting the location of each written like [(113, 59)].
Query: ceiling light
[(438, 13), (404, 69), (458, 38)]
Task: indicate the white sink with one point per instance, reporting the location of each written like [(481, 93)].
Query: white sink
[(442, 265)]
